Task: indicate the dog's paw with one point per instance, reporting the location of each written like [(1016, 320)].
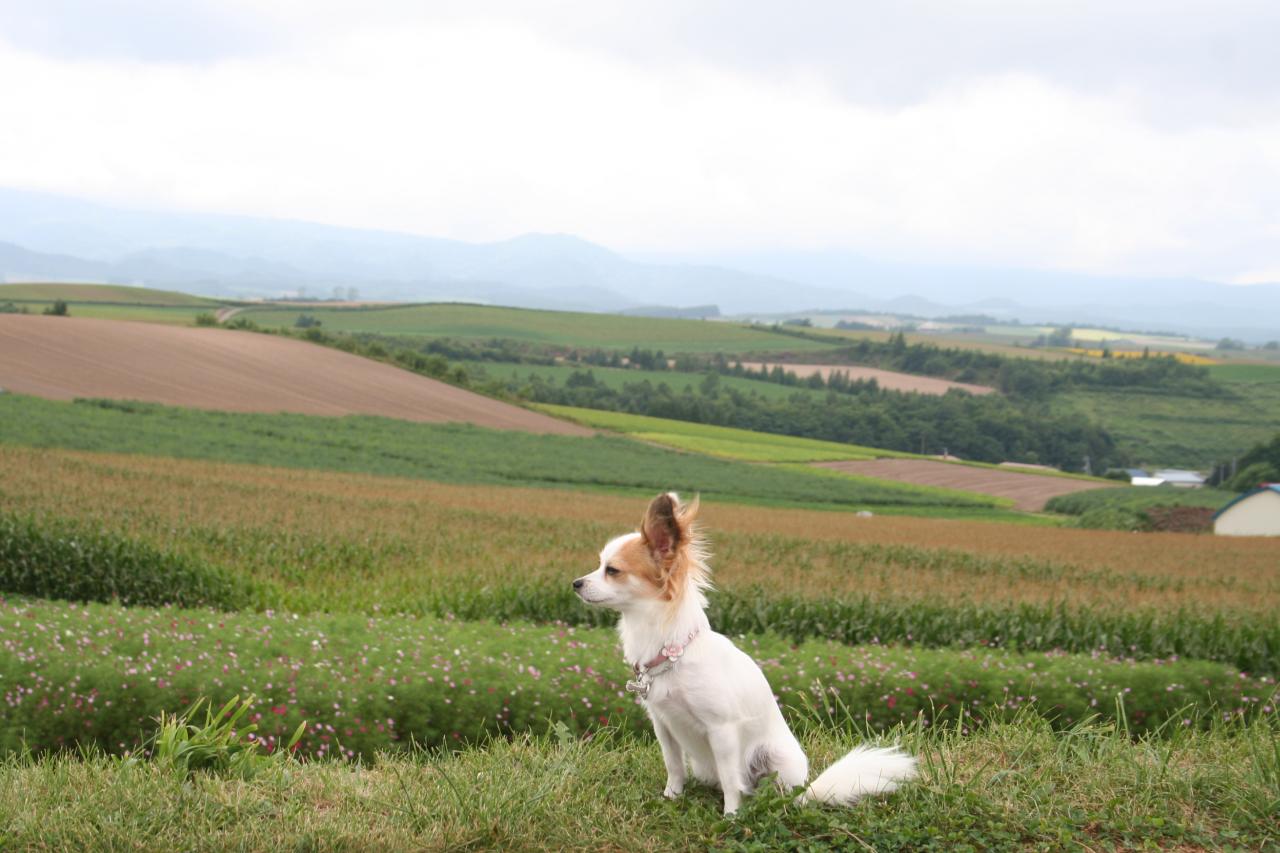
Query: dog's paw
[(673, 791)]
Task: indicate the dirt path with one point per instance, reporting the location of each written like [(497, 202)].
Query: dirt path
[(889, 379), (1029, 491), (62, 358)]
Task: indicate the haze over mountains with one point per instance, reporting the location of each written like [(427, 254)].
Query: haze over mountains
[(48, 237)]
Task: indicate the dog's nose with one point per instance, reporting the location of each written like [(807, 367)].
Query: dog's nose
[(578, 583)]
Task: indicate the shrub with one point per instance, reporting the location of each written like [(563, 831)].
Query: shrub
[(58, 309), (69, 561), (206, 318)]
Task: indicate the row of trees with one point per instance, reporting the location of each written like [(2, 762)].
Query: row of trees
[(989, 428)]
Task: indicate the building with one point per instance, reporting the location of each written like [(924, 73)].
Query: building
[(1255, 513), (1178, 478)]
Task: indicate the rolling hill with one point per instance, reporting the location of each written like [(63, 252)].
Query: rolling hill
[(62, 358)]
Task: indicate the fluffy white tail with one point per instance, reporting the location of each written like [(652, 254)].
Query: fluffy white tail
[(865, 770)]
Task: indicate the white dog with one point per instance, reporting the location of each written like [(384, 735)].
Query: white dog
[(711, 706)]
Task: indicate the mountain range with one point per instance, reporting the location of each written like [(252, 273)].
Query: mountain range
[(46, 237)]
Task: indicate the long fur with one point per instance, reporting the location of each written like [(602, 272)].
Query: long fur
[(713, 711)]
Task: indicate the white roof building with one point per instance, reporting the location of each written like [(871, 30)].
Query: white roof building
[(1180, 478), (1255, 513)]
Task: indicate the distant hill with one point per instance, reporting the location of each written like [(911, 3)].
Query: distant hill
[(49, 237), (103, 293)]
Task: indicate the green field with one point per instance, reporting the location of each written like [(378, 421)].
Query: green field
[(618, 377), (441, 452), (561, 329), (1165, 430), (727, 442), (101, 293)]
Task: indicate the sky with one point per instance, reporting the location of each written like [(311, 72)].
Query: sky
[(1136, 138)]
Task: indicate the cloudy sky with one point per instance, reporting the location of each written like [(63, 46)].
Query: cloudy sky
[(1120, 137)]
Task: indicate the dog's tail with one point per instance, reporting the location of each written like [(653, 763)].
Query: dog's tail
[(865, 770)]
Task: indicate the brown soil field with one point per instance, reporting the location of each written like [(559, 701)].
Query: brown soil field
[(1028, 491), (62, 358), (889, 379)]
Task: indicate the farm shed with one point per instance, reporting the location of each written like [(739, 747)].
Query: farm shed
[(1179, 478), (1255, 513)]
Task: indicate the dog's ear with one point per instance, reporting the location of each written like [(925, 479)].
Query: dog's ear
[(660, 528)]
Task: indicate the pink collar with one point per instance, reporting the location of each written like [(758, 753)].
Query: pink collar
[(670, 652)]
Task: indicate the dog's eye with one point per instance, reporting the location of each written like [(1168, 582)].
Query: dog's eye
[(610, 570)]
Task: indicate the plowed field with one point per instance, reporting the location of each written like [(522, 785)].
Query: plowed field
[(62, 358), (1028, 491)]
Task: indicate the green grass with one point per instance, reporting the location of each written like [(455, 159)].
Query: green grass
[(1246, 373), (1187, 432), (1139, 498), (551, 328), (367, 683), (101, 293), (728, 442), (179, 315), (1013, 786), (617, 377), (443, 452)]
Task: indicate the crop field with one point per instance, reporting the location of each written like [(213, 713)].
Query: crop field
[(1025, 489), (553, 328), (67, 357), (1187, 432), (890, 379), (499, 552), (728, 442), (1062, 687), (100, 294), (617, 377), (441, 452)]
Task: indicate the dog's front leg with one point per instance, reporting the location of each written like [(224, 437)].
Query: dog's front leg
[(726, 746), (672, 756)]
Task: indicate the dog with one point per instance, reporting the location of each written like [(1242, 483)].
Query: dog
[(711, 706)]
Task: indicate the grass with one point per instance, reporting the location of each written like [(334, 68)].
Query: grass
[(96, 674), (322, 541), (1011, 786), (1163, 430), (175, 315), (727, 442), (442, 452), (617, 377), (1139, 498), (551, 328), (100, 294)]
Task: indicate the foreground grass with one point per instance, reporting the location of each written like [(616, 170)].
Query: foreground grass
[(1010, 786)]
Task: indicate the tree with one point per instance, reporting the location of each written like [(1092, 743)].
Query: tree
[(1260, 465), (1060, 337), (58, 309)]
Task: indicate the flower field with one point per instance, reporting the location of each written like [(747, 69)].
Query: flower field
[(75, 674)]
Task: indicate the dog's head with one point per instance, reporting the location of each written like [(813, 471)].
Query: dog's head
[(663, 562)]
